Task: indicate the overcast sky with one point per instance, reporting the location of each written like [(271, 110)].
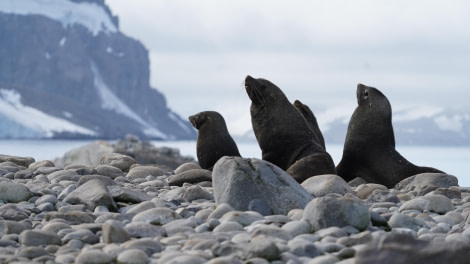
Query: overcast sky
[(416, 52)]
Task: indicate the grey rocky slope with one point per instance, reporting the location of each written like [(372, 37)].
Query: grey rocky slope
[(70, 61), (123, 212)]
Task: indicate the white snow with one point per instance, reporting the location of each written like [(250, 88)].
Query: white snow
[(109, 101), (62, 41), (90, 15), (11, 106)]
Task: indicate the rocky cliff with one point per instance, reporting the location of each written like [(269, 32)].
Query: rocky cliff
[(66, 71)]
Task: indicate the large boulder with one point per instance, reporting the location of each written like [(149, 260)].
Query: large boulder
[(243, 183)]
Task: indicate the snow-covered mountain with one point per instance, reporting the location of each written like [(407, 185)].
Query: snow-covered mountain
[(66, 71)]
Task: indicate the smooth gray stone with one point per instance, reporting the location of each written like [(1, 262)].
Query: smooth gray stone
[(41, 164), (144, 171), (190, 176), (123, 162), (93, 193), (402, 220), (13, 227), (73, 217), (261, 247), (32, 252), (195, 193), (426, 182), (237, 181), (83, 235), (434, 203), (303, 248), (331, 210), (187, 166), (148, 245), (156, 216), (14, 192), (322, 185), (127, 195), (48, 198), (133, 256), (39, 238), (114, 232), (94, 256), (141, 229), (105, 180), (21, 161), (13, 212), (61, 175), (110, 171)]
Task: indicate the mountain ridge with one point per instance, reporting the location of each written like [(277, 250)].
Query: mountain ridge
[(76, 67)]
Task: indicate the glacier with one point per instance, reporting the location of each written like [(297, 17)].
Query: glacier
[(89, 15)]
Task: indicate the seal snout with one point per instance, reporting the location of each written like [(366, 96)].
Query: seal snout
[(193, 119)]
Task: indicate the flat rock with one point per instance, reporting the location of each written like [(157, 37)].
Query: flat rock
[(93, 193), (94, 256), (120, 161), (114, 232), (238, 181), (399, 220), (434, 203), (14, 192), (322, 185), (21, 161), (133, 256), (187, 166), (331, 210), (110, 171), (190, 176), (427, 182), (39, 238), (144, 171)]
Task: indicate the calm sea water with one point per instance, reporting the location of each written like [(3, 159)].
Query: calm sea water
[(453, 160)]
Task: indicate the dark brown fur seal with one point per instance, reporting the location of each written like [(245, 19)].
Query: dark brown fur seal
[(283, 134), (369, 149), (213, 138), (311, 121)]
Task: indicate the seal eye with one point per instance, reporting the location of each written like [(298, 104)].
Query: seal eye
[(366, 94)]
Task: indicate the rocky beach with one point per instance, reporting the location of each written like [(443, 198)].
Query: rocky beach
[(130, 202)]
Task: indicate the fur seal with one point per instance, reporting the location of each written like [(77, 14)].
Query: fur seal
[(283, 134), (213, 138), (311, 121), (369, 149)]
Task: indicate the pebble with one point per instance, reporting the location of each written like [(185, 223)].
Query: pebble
[(123, 212)]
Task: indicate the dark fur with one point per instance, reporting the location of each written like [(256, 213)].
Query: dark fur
[(213, 139), (283, 134), (369, 149), (311, 121)]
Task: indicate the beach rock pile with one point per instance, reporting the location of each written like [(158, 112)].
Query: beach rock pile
[(244, 211), (144, 152)]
